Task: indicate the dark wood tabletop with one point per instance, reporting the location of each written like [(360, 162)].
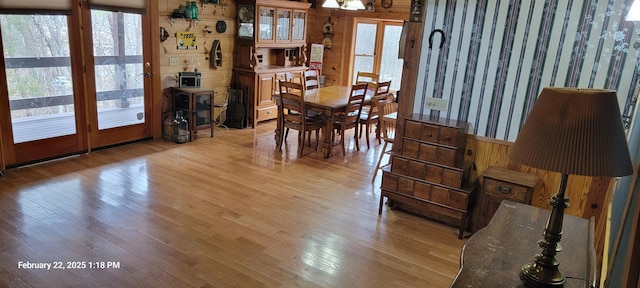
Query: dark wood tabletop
[(494, 256), (328, 100)]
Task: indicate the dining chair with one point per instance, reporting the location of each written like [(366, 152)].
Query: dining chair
[(311, 79), (369, 115), (295, 77), (292, 99), (348, 119), (367, 77), (383, 87), (386, 106)]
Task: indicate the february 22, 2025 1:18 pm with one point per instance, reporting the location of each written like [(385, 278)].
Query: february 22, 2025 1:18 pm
[(69, 265)]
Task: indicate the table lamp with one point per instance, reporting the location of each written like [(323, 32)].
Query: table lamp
[(571, 131)]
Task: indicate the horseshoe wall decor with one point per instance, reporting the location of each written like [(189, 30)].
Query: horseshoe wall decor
[(441, 37)]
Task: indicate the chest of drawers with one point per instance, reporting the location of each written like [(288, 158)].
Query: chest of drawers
[(428, 175), (502, 184)]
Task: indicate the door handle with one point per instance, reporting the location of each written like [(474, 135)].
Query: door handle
[(147, 75)]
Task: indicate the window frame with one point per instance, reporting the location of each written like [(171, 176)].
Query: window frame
[(377, 51)]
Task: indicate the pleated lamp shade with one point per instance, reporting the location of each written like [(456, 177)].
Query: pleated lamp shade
[(574, 131)]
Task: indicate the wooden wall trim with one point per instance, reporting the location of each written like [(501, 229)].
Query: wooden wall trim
[(156, 81), (406, 95)]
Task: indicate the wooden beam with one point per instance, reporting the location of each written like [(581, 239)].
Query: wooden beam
[(406, 95)]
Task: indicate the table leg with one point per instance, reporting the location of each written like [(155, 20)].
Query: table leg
[(327, 132)]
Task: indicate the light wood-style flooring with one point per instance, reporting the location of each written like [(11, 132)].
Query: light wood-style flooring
[(227, 211)]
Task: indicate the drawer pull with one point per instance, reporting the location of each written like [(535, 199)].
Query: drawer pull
[(430, 134), (504, 190), (448, 138)]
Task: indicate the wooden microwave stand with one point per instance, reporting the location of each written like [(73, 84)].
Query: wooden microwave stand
[(197, 107)]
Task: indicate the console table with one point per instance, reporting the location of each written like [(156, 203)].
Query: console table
[(494, 255)]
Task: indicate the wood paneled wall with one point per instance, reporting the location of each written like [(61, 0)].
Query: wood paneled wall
[(218, 79), (337, 60)]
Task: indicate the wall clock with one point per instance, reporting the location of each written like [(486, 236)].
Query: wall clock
[(245, 14), (327, 28), (387, 3), (221, 26)]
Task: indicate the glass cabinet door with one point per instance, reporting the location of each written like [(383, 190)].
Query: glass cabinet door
[(265, 32), (299, 18), (283, 23)]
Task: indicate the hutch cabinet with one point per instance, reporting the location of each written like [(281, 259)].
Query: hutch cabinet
[(428, 175), (271, 41)]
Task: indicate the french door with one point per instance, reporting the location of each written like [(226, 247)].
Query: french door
[(57, 99), (375, 50), (118, 74)]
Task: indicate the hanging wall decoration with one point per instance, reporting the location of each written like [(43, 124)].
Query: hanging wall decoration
[(327, 31), (186, 41)]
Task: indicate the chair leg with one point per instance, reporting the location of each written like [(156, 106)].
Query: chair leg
[(357, 142), (344, 152), (300, 143), (375, 172), (366, 137)]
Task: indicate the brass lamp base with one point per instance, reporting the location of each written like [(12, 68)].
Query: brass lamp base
[(543, 271), (536, 276)]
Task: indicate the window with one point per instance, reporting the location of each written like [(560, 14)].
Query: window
[(39, 80), (378, 54)]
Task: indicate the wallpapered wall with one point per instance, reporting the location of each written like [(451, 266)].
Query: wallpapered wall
[(499, 54)]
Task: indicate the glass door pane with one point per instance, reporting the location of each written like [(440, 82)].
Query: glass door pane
[(265, 31), (283, 25), (39, 80), (364, 48), (390, 65), (297, 32), (119, 69)]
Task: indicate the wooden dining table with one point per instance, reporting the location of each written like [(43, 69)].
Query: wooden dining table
[(329, 100)]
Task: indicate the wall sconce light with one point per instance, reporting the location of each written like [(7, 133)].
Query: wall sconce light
[(344, 4)]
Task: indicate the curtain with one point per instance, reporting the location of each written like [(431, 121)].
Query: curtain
[(35, 6)]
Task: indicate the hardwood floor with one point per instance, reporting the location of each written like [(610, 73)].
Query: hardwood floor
[(227, 211)]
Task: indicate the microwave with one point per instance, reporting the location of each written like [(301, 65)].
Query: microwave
[(189, 79)]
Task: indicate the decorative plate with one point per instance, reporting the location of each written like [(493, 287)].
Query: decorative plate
[(221, 26), (327, 42)]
